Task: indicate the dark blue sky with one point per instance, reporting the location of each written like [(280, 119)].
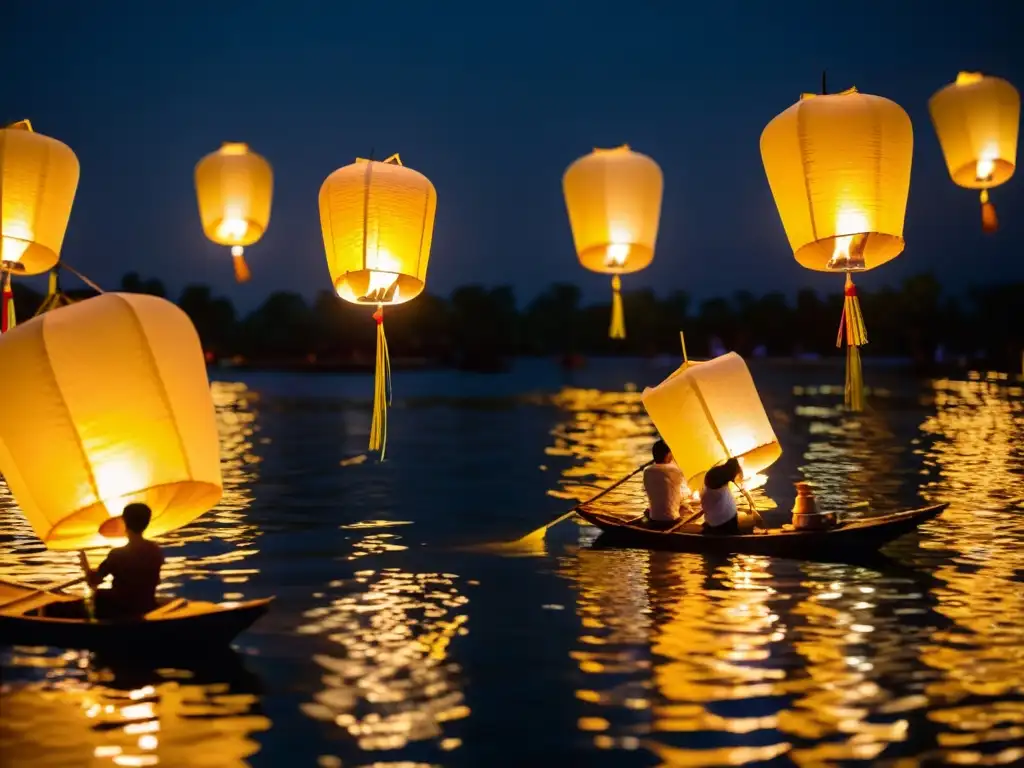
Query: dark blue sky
[(491, 100)]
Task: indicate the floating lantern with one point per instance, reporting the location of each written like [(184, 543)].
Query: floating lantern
[(234, 187), (613, 197), (106, 402), (378, 220), (709, 412), (839, 170), (38, 180), (977, 119)]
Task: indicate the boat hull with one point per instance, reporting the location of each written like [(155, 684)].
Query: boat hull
[(189, 629), (847, 541)]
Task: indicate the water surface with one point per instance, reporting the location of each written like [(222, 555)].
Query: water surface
[(392, 643)]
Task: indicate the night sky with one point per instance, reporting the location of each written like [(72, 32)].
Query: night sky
[(492, 101)]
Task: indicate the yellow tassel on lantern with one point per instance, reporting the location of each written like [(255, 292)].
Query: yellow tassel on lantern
[(617, 329), (242, 273), (989, 220), (856, 333), (381, 388), (9, 320)]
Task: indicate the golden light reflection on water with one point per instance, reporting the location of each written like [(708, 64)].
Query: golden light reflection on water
[(66, 709), (608, 433), (387, 677), (224, 529), (76, 715), (850, 458), (973, 445), (747, 659)]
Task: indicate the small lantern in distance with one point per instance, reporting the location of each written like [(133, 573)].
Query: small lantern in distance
[(234, 189), (839, 169), (613, 198), (977, 119), (377, 220)]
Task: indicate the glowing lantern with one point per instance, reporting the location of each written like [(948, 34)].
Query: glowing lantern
[(106, 402), (38, 180), (234, 187), (709, 412), (613, 197), (378, 220), (839, 170), (977, 119)]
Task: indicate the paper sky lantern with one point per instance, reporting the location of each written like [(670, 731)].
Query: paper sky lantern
[(106, 402), (709, 412), (613, 197), (378, 220), (977, 119), (234, 188), (38, 180), (839, 170)]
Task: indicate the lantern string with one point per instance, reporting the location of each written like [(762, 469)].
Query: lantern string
[(381, 388), (851, 325), (617, 327), (989, 220), (80, 276), (7, 317)]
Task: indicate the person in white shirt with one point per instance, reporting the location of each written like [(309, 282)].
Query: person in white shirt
[(716, 499), (664, 483)]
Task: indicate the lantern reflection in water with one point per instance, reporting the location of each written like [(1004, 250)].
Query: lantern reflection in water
[(972, 446), (850, 457), (392, 680), (80, 716), (607, 432), (24, 558)]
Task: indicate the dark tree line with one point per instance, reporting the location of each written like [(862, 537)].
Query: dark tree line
[(481, 328)]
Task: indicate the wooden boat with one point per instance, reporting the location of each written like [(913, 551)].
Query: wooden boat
[(178, 626), (847, 540)]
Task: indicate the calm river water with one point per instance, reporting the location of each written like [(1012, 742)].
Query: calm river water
[(394, 642)]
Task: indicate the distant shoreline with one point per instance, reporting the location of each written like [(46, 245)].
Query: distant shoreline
[(502, 366)]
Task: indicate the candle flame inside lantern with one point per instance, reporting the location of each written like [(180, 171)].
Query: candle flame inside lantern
[(384, 271), (616, 255), (851, 236), (15, 242), (986, 165), (232, 228)]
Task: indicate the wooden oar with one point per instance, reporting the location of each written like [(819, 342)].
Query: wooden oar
[(538, 535), (41, 591)]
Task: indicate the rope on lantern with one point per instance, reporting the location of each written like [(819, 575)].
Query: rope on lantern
[(381, 388), (617, 328), (989, 220), (852, 322)]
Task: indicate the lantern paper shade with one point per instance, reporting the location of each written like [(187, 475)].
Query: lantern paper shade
[(234, 189), (709, 412), (839, 170), (377, 220), (38, 180), (977, 119), (106, 402), (613, 197)]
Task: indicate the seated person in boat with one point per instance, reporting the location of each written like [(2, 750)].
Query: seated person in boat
[(135, 568), (716, 499), (663, 481)]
